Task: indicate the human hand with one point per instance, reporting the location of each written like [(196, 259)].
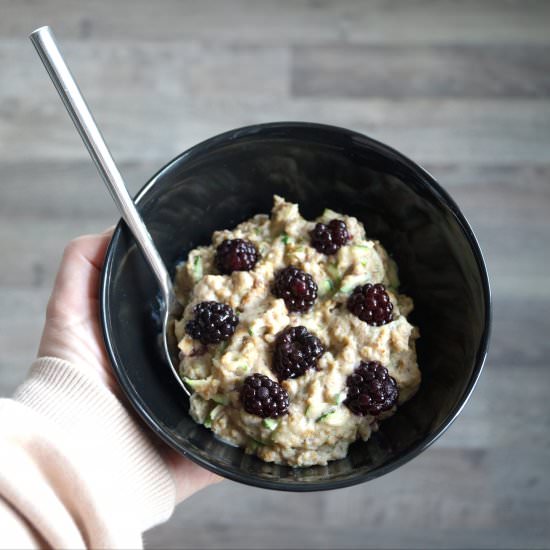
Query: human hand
[(72, 333)]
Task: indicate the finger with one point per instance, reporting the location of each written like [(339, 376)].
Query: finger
[(77, 280), (188, 476)]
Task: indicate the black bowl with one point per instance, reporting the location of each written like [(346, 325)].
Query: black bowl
[(231, 177)]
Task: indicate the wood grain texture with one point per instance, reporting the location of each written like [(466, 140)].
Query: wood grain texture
[(285, 21), (406, 71), (408, 509), (430, 131), (177, 69), (461, 87)]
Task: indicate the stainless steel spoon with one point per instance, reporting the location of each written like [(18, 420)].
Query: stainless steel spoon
[(45, 44)]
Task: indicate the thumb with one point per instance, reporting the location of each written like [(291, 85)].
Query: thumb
[(77, 280)]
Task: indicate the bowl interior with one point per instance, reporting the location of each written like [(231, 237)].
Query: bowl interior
[(228, 179)]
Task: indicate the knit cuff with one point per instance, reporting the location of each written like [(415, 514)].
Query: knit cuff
[(100, 429)]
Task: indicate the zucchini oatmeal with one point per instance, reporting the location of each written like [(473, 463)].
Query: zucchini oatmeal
[(294, 338)]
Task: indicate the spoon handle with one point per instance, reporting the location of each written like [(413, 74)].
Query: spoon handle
[(45, 44)]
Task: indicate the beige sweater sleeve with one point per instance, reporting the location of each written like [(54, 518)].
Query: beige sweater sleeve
[(76, 470)]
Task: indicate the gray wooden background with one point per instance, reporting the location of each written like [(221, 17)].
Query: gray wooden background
[(463, 87)]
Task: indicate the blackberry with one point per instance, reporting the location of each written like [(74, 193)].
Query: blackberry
[(264, 397), (213, 322), (371, 304), (296, 287), (236, 255), (296, 350), (371, 390), (328, 239)]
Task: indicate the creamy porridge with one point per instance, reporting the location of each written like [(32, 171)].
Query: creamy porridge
[(294, 338)]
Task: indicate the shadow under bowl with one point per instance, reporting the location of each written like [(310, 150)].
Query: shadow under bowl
[(231, 177)]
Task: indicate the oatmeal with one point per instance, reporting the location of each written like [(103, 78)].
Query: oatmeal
[(294, 338)]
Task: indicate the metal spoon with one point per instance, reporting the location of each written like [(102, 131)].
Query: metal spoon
[(45, 44)]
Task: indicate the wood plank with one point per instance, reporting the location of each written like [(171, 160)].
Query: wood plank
[(57, 190), (481, 473), (516, 258), (32, 250), (400, 72), (511, 222), (494, 419), (291, 21), (367, 516), (516, 178), (312, 536), (153, 128), (179, 69)]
